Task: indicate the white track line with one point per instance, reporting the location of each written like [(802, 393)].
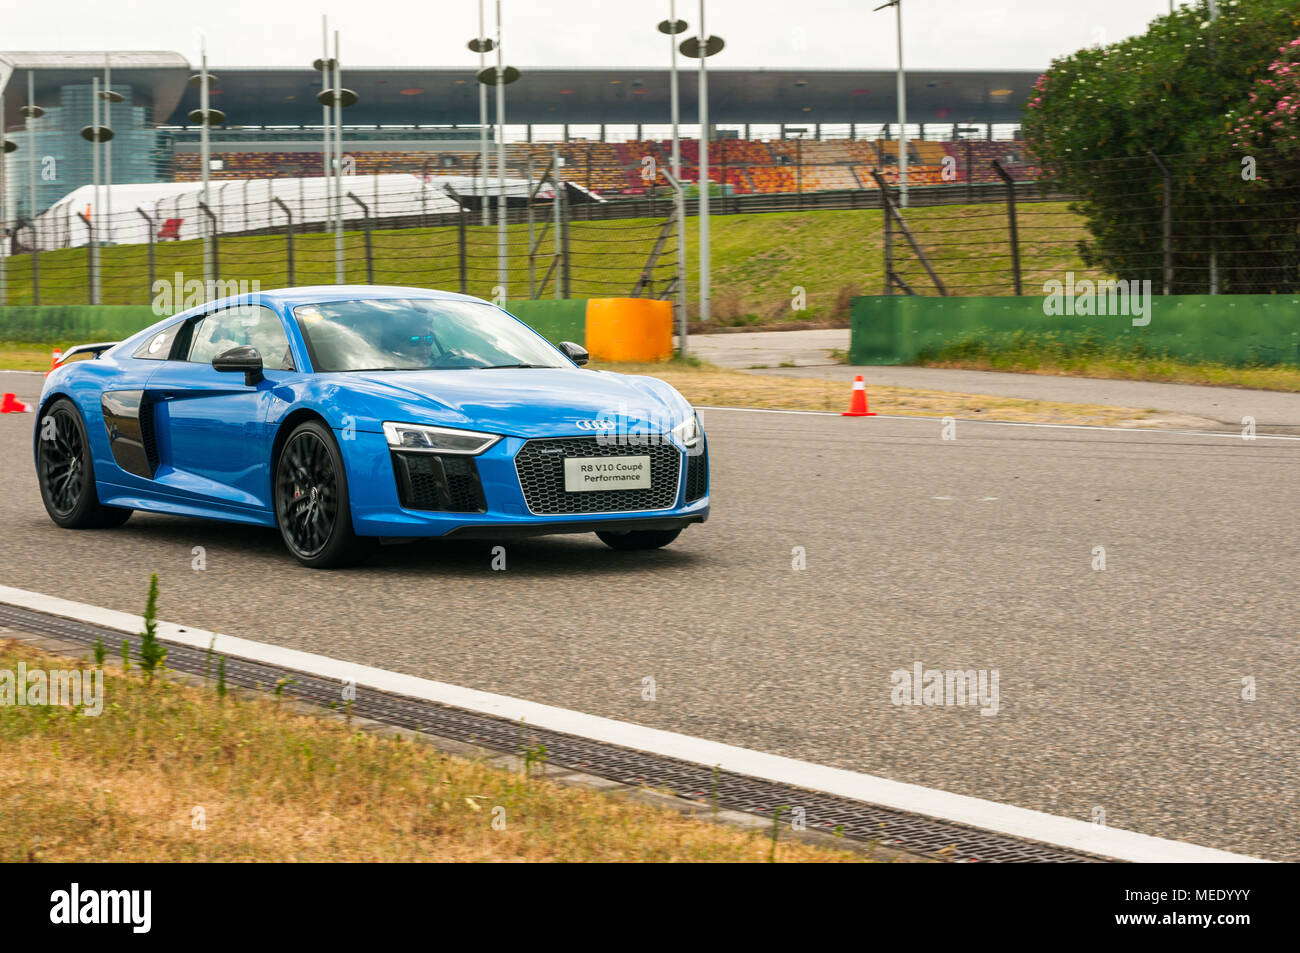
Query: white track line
[(1013, 423), (973, 812)]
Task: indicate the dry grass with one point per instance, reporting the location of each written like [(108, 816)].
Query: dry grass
[(1279, 378), (275, 785), (24, 357), (705, 385)]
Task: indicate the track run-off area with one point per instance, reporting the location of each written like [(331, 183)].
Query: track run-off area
[(1159, 694)]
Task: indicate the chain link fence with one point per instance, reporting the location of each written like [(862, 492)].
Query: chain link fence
[(1189, 224), (394, 230)]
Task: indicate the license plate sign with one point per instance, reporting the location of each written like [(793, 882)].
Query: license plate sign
[(586, 474)]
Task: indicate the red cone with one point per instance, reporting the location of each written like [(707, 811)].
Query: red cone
[(10, 404), (858, 402)]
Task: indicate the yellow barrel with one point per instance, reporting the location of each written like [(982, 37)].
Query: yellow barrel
[(629, 329)]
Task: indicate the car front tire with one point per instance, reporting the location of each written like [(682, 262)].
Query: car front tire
[(312, 507), (639, 538), (66, 471)]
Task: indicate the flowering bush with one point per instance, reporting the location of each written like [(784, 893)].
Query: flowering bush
[(1271, 120)]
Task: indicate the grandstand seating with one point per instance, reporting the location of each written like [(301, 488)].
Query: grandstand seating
[(747, 165)]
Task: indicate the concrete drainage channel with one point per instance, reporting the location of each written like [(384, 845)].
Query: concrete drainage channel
[(860, 823)]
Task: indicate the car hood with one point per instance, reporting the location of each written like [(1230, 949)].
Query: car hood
[(524, 402)]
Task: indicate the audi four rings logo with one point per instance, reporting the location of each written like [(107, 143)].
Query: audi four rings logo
[(597, 424)]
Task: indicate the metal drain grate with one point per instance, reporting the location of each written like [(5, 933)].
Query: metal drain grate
[(860, 822)]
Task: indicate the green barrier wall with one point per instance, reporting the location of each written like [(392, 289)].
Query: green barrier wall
[(1224, 329), (73, 323), (564, 320)]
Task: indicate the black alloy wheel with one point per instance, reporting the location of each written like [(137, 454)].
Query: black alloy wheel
[(311, 500), (66, 471)]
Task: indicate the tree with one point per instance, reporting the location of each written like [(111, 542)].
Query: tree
[(1183, 91)]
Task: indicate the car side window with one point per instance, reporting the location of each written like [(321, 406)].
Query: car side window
[(158, 347), (254, 325)]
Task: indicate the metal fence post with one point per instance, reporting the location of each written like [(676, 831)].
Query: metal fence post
[(216, 260), (288, 234), (461, 250), (90, 259), (565, 274), (532, 257), (556, 225), (370, 258), (888, 243), (1005, 176), (1167, 222), (150, 225)]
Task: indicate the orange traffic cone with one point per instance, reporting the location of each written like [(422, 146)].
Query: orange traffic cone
[(54, 360), (858, 402), (10, 404)]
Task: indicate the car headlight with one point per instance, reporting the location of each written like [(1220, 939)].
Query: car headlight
[(689, 433), (424, 439)]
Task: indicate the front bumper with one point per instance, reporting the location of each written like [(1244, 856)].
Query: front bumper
[(378, 511)]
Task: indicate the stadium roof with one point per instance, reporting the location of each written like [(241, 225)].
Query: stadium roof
[(157, 77), (400, 96)]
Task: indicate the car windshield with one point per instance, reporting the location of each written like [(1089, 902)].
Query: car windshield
[(417, 334)]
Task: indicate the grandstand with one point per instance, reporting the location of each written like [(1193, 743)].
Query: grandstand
[(774, 131), (746, 166)]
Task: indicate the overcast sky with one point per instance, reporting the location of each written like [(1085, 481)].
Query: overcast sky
[(972, 34)]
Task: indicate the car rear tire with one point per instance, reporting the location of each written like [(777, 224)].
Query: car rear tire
[(66, 472), (639, 538), (312, 507)]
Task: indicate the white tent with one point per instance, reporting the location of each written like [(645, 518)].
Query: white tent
[(243, 205)]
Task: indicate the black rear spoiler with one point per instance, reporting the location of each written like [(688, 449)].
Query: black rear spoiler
[(95, 349)]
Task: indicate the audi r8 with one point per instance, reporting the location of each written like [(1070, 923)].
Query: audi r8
[(346, 416)]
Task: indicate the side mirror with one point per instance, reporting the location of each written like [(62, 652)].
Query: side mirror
[(575, 352), (242, 359)]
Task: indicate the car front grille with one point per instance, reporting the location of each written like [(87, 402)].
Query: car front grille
[(540, 465), (430, 481)]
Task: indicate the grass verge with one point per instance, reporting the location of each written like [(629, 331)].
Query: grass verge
[(272, 784), (24, 357), (1083, 355)]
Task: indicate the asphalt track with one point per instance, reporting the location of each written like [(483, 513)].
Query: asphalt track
[(1120, 690)]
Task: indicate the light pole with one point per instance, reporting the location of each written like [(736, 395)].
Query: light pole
[(334, 97), (32, 111), (799, 132), (482, 46), (966, 132), (499, 76), (205, 116), (336, 100), (702, 47), (902, 106), (95, 134), (109, 97), (671, 27), (324, 64), (6, 147)]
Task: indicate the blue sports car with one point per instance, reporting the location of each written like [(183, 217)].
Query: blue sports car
[(348, 415)]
